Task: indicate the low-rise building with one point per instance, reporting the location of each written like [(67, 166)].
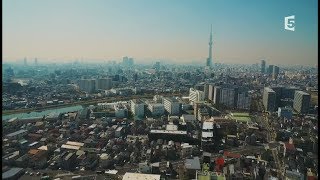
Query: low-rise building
[(140, 176)]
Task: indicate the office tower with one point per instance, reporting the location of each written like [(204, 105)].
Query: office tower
[(216, 97), (227, 97), (104, 83), (36, 61), (209, 59), (135, 77), (157, 66), (206, 91), (195, 95), (275, 72), (211, 92), (263, 66), (278, 90), (288, 92), (130, 62), (126, 61), (301, 102), (25, 61), (137, 108), (269, 99), (270, 69), (243, 100), (171, 105), (87, 85)]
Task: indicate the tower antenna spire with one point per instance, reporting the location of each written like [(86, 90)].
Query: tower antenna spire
[(209, 59)]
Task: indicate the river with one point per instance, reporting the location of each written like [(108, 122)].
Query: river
[(42, 113)]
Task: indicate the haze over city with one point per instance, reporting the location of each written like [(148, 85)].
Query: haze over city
[(176, 31), (161, 90)]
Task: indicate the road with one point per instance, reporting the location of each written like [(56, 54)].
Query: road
[(271, 135)]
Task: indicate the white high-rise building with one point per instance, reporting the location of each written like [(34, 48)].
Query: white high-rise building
[(171, 105), (211, 92), (301, 102), (137, 108), (195, 95)]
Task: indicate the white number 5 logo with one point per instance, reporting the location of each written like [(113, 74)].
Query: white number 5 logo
[(289, 23)]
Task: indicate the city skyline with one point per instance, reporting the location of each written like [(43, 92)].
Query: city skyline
[(243, 33)]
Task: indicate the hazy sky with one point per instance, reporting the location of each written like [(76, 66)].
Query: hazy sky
[(244, 31)]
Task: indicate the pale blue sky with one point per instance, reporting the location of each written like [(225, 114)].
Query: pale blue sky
[(244, 31)]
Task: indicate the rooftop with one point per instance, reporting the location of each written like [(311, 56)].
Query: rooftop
[(207, 125), (73, 143), (268, 89), (140, 176), (207, 134), (17, 133), (168, 132), (65, 146), (302, 92), (193, 163), (171, 99), (188, 117), (137, 101), (11, 172)]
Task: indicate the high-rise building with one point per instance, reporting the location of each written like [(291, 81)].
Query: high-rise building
[(36, 61), (130, 62), (288, 92), (87, 85), (195, 95), (206, 91), (104, 83), (263, 66), (275, 72), (157, 109), (284, 96), (209, 59), (270, 70), (126, 61), (211, 92), (137, 108), (227, 97), (244, 100), (269, 99), (25, 61), (171, 105), (157, 66), (216, 97), (278, 90), (301, 102)]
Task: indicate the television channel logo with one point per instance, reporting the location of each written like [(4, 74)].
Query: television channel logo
[(289, 23)]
